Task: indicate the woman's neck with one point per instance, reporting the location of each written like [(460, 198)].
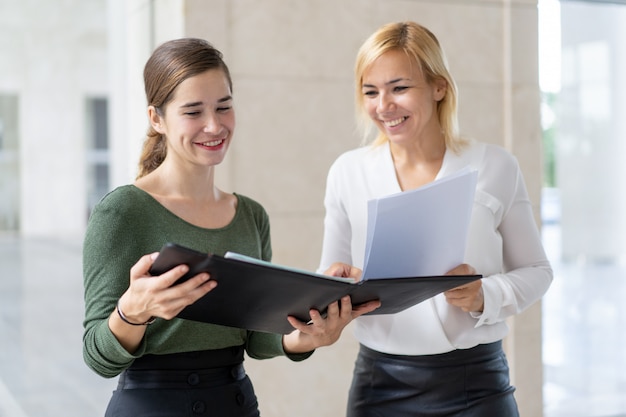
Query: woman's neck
[(417, 163), (191, 195), (173, 182)]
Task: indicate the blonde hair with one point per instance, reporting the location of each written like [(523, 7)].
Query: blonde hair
[(422, 47), (171, 64)]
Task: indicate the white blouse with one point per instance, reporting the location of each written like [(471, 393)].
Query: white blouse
[(504, 245)]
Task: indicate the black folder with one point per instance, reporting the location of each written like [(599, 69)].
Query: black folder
[(260, 295)]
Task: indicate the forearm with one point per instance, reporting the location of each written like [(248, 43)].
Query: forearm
[(128, 335)]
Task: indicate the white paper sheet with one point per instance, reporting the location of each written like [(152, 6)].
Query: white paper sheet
[(421, 232)]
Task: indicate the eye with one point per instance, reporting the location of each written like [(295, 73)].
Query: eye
[(370, 93), (400, 88), (192, 113), (224, 109)]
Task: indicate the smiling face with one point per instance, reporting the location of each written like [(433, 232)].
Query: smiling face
[(198, 121), (399, 100)]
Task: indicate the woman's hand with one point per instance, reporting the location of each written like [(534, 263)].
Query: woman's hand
[(154, 296), (468, 297), (342, 270), (150, 296), (324, 331)]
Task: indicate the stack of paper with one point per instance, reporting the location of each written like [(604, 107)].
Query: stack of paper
[(420, 232)]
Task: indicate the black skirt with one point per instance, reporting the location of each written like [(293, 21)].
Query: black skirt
[(462, 383), (208, 383)]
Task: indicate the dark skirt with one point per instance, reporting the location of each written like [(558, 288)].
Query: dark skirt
[(462, 383), (209, 383)]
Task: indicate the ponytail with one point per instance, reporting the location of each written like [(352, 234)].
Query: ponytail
[(153, 152)]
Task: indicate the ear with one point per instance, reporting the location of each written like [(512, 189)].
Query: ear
[(440, 87), (156, 121)]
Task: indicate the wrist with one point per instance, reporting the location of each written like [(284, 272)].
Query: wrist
[(131, 321), (297, 342)]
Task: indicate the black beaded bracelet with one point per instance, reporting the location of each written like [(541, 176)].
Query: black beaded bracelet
[(125, 320)]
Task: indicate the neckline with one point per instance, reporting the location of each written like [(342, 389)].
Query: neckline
[(146, 195), (389, 159)]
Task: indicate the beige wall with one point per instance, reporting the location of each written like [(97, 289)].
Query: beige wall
[(292, 67)]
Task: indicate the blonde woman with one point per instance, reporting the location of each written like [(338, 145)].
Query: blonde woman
[(442, 357)]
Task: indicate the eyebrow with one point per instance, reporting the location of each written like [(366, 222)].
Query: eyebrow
[(199, 103), (394, 81)]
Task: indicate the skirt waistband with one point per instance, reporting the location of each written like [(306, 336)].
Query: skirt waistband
[(452, 358), (182, 379), (204, 359)]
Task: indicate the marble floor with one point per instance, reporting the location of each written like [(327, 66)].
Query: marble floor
[(584, 337), (42, 372), (41, 368)]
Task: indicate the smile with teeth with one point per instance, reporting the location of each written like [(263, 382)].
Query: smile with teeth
[(395, 122), (212, 143)]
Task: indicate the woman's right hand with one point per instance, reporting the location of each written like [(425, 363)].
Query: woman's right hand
[(157, 296), (339, 269), (154, 296)]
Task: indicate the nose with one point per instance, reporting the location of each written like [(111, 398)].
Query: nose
[(212, 124), (385, 103)]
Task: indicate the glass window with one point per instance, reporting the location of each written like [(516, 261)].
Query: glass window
[(9, 164), (584, 227), (97, 151)]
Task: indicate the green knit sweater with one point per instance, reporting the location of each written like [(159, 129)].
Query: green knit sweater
[(127, 224)]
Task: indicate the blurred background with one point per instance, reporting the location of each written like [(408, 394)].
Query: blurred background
[(543, 78)]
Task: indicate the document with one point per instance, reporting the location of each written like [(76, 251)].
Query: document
[(257, 295), (421, 232)]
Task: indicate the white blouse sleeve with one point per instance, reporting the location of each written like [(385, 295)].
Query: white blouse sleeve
[(527, 273), (336, 246)]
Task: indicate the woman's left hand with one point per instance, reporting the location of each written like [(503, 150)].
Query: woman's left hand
[(324, 331), (468, 297)]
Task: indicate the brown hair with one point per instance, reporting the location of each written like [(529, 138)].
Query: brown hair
[(422, 47), (170, 64)]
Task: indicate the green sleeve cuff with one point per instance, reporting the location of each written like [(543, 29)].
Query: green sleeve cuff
[(106, 356), (299, 357)]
